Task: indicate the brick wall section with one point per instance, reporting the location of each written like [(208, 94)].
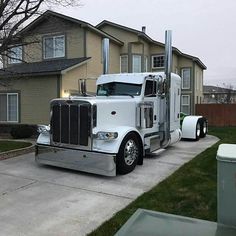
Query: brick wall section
[(218, 114)]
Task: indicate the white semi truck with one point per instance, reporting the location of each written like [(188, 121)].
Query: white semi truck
[(130, 116)]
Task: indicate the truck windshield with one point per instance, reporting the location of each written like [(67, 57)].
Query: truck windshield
[(119, 89)]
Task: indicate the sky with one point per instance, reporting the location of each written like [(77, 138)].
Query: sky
[(202, 28)]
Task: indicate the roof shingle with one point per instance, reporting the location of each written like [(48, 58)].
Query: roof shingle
[(40, 68)]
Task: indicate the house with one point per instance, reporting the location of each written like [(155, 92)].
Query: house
[(55, 51), (215, 94), (140, 53)]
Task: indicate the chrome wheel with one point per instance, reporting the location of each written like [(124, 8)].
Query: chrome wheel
[(130, 152)]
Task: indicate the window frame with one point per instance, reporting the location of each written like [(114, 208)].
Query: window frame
[(182, 78), (139, 56), (53, 37), (158, 67), (187, 104), (7, 106), (127, 66), (145, 68), (15, 60), (154, 88)]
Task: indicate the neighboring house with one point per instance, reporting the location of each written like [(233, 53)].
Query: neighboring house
[(55, 51), (215, 94), (140, 53)]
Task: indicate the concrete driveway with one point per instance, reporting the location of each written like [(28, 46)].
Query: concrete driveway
[(41, 200)]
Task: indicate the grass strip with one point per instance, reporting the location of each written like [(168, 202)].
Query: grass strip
[(12, 145)]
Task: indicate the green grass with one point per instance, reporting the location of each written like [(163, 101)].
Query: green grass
[(12, 145), (190, 191)]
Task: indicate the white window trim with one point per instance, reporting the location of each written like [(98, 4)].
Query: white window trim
[(139, 56), (187, 104), (154, 67), (127, 63), (146, 64), (44, 46), (182, 72), (14, 60), (17, 112)]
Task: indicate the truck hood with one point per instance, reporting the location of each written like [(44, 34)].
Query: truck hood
[(115, 112)]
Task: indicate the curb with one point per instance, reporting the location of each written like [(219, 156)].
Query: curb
[(17, 152)]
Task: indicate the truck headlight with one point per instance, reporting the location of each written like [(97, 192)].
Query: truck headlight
[(106, 135), (43, 128)]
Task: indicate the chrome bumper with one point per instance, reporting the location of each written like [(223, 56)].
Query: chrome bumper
[(91, 162)]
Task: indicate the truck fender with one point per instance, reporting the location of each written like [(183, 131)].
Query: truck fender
[(191, 127)]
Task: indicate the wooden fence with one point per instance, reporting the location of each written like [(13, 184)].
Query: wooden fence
[(218, 114)]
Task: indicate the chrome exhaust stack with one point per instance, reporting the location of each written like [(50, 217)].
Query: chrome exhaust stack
[(105, 55), (168, 66)]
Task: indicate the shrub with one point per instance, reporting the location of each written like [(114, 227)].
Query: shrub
[(22, 131)]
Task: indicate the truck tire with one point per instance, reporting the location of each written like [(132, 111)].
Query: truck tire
[(128, 155), (204, 127), (198, 130)]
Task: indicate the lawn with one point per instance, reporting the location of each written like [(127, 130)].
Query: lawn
[(12, 145), (190, 191)]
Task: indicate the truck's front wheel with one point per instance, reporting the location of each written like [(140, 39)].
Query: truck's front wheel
[(128, 154)]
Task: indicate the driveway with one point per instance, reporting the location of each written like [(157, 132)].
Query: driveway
[(41, 200)]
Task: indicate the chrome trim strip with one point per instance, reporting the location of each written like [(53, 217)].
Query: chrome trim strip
[(91, 162)]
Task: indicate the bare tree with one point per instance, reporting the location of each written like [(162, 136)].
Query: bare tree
[(15, 13), (230, 92)]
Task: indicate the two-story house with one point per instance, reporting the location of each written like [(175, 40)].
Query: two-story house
[(55, 51)]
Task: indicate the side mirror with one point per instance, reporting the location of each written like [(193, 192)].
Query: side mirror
[(83, 87)]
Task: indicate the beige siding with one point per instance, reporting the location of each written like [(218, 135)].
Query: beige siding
[(155, 49), (32, 51), (198, 84), (94, 50), (122, 35), (35, 94), (114, 66), (70, 81), (137, 48), (75, 43), (185, 62)]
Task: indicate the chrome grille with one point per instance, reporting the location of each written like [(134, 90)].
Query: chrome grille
[(71, 123)]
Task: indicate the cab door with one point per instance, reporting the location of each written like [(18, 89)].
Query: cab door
[(151, 132)]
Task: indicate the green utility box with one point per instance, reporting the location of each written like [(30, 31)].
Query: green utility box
[(226, 178)]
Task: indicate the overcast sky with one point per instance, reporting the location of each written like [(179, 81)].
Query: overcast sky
[(203, 28)]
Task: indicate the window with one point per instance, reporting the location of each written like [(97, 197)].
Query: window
[(54, 47), (136, 64), (150, 88), (15, 55), (185, 104), (185, 73), (124, 64), (8, 107), (158, 61)]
